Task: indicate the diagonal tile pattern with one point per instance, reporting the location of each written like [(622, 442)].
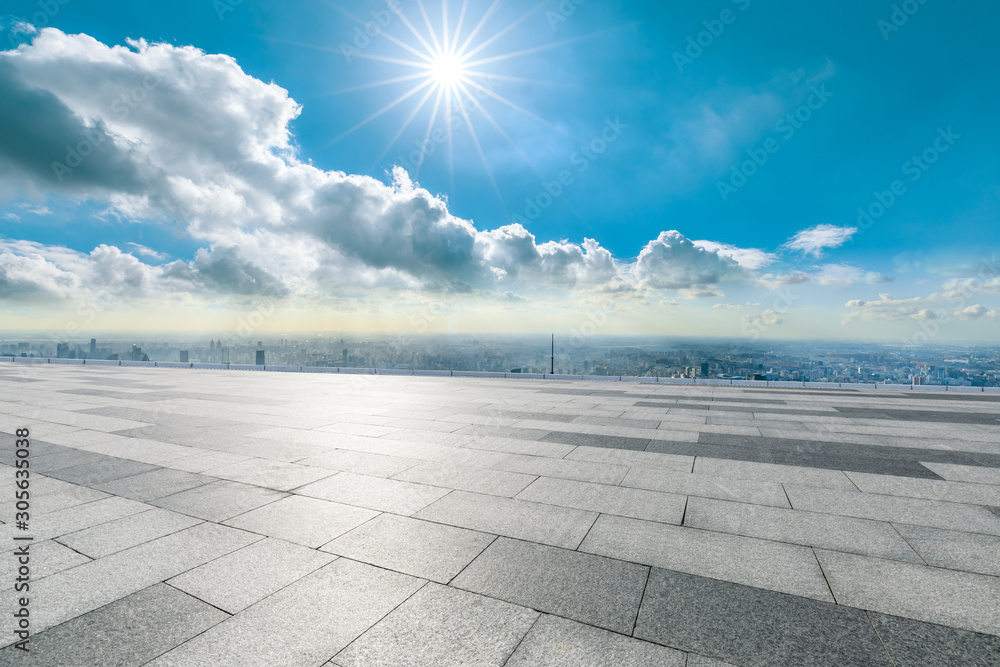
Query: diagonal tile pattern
[(190, 517)]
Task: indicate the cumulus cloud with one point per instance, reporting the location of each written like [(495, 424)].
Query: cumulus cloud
[(888, 308), (972, 312), (166, 132), (815, 240)]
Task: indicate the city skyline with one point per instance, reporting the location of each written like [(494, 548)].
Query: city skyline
[(579, 354), (506, 167)]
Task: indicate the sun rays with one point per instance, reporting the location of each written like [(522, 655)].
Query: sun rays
[(445, 68)]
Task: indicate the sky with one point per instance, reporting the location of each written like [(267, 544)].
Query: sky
[(731, 168)]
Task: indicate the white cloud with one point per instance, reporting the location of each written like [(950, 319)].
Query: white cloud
[(887, 308), (42, 210), (143, 251), (972, 312), (815, 240), (751, 259), (839, 274), (763, 320), (189, 136), (12, 216), (771, 281), (674, 262)]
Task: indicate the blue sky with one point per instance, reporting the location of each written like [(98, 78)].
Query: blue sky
[(833, 102)]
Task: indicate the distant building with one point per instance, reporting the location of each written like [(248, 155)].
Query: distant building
[(260, 357), (344, 360), (704, 369), (62, 350), (93, 348), (184, 356), (211, 345)]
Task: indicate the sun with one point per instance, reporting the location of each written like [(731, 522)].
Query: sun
[(447, 70)]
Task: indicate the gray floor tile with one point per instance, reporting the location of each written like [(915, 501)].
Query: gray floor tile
[(750, 627), (774, 566), (595, 440), (411, 546), (276, 475), (127, 532), (604, 499), (72, 519), (387, 495), (917, 511), (628, 457), (105, 470), (63, 459), (955, 492), (558, 642), (52, 495), (47, 558), (961, 473), (442, 627), (362, 463), (70, 593), (128, 632), (307, 521), (957, 599), (590, 589), (915, 644), (584, 471), (468, 478), (860, 536), (154, 484), (303, 624), (771, 472), (205, 461), (708, 486), (970, 552), (245, 577), (218, 501), (519, 519)]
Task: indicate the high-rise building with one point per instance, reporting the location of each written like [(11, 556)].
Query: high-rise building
[(260, 357), (211, 345), (185, 356), (62, 350), (93, 348), (704, 369)]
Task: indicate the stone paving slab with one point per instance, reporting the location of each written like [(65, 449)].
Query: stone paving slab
[(771, 565), (420, 548), (442, 626), (598, 591), (957, 599), (286, 518), (559, 642), (125, 633)]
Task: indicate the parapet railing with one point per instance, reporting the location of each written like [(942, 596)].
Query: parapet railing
[(503, 375)]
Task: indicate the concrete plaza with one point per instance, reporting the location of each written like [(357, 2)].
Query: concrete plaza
[(211, 517)]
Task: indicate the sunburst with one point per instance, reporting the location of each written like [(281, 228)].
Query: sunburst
[(450, 73)]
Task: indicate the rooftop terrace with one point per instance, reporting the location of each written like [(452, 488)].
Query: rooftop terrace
[(209, 517)]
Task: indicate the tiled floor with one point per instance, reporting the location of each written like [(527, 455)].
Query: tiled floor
[(196, 517)]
